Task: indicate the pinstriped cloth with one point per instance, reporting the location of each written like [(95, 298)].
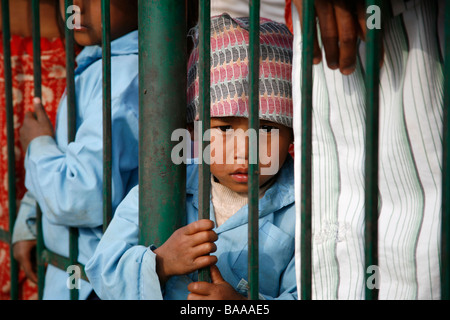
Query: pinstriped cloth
[(230, 70), (410, 162)]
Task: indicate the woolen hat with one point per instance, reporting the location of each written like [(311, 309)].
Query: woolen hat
[(230, 70)]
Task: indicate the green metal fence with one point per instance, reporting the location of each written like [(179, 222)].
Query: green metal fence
[(6, 236), (162, 44)]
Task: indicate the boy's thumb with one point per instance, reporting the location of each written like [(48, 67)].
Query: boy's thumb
[(38, 108), (216, 276)]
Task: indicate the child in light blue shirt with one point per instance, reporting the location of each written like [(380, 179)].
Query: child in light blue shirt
[(66, 178), (122, 269)]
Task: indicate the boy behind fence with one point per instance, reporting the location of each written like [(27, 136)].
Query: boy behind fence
[(122, 269)]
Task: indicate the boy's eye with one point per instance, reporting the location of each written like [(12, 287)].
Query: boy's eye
[(266, 128), (224, 128)]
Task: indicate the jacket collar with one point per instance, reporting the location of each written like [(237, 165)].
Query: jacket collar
[(279, 195), (127, 44)]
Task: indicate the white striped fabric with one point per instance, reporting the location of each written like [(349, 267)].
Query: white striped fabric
[(271, 9), (411, 103)]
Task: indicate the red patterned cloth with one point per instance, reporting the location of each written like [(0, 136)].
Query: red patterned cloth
[(53, 86)]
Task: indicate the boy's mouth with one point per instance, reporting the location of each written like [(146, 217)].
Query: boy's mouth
[(80, 28), (240, 175)]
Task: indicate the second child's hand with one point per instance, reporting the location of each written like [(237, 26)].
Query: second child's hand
[(35, 124), (341, 23)]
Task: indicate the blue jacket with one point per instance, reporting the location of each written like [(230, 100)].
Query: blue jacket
[(122, 269), (66, 179)]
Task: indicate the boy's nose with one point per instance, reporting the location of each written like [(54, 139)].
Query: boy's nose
[(241, 148), (78, 3)]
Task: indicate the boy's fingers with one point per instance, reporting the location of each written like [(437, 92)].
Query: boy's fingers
[(29, 116), (194, 296), (28, 269), (22, 253), (198, 226), (329, 32), (39, 109), (216, 276), (205, 261), (348, 36), (204, 249), (199, 288), (203, 237)]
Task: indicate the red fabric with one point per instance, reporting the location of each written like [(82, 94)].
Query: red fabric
[(288, 15), (53, 86)]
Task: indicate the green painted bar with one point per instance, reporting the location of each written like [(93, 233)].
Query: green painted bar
[(372, 80), (36, 33), (107, 126), (445, 250), (62, 262), (71, 125), (163, 72), (253, 145), (12, 207), (40, 254), (204, 177), (306, 150)]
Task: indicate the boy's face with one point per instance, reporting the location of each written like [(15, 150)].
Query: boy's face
[(123, 20), (229, 161)]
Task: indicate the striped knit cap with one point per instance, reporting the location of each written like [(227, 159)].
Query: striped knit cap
[(230, 70)]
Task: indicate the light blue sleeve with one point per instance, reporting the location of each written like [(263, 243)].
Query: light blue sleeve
[(66, 184), (67, 179), (120, 268), (25, 225)]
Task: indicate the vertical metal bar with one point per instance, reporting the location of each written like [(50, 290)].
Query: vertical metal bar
[(162, 82), (372, 80), (70, 66), (306, 149), (107, 130), (12, 208), (253, 176), (40, 248), (37, 78), (445, 223), (36, 33), (204, 177), (71, 124)]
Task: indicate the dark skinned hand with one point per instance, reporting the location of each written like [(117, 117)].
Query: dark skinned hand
[(35, 124), (341, 23), (218, 289)]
